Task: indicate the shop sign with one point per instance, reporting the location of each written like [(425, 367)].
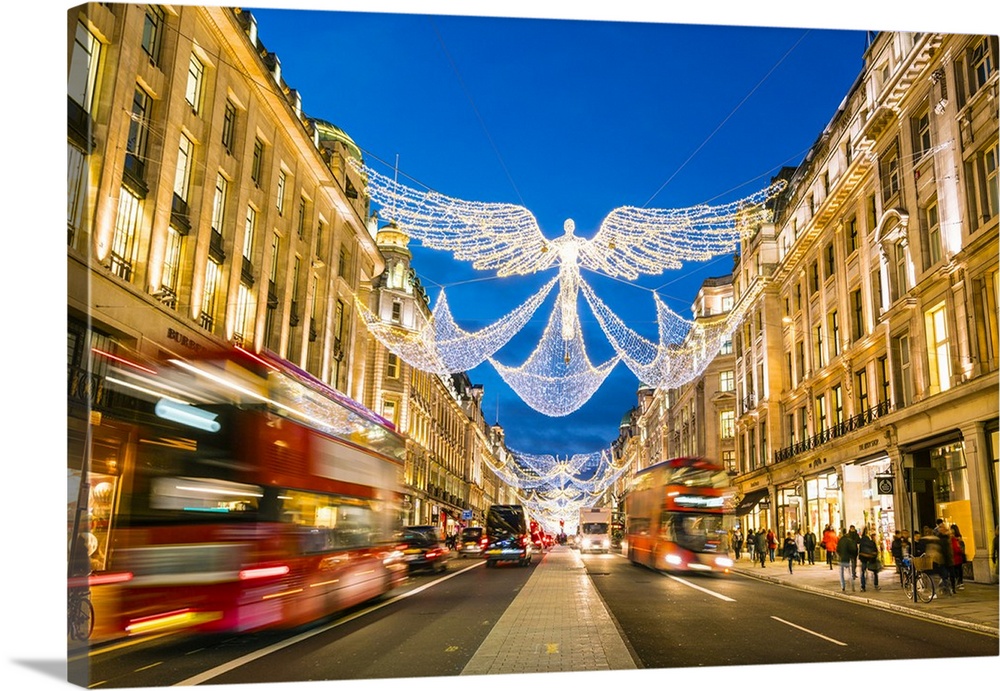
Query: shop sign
[(870, 444), (190, 343), (885, 484)]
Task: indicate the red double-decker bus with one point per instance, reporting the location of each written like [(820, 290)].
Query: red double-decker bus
[(675, 516), (255, 497)]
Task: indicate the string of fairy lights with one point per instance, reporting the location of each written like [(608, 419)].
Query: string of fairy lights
[(559, 376)]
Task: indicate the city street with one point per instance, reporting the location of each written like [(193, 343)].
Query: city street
[(435, 625)]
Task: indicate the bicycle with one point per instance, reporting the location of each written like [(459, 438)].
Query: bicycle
[(79, 613), (916, 581)]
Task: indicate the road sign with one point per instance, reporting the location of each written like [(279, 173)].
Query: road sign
[(467, 515)]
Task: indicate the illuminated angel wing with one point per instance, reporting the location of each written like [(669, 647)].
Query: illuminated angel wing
[(633, 241), (495, 237)]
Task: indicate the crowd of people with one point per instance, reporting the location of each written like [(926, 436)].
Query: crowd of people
[(849, 549)]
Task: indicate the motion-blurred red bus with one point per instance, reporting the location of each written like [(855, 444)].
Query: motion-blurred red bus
[(675, 516), (257, 497)]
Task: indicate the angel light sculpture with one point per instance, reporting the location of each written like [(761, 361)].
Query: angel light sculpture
[(558, 377)]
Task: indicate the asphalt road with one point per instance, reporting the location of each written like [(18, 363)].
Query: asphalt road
[(433, 626)]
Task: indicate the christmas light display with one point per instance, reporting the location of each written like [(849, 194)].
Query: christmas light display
[(558, 376)]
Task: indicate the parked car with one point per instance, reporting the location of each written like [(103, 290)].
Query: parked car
[(472, 541), (423, 548), (507, 535)]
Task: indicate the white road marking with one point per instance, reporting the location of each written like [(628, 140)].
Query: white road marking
[(698, 587), (250, 657), (802, 628)]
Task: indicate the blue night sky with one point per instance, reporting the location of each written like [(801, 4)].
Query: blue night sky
[(569, 118)]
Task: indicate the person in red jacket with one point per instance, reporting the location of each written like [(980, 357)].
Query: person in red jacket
[(772, 544), (830, 545)]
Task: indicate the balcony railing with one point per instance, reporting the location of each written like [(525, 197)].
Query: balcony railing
[(854, 423)]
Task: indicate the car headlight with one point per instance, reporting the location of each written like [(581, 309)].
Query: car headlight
[(724, 562)]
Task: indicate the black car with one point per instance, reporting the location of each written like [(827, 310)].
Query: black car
[(423, 548), (507, 537), (472, 540)]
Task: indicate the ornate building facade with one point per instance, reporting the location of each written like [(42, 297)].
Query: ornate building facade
[(867, 371)]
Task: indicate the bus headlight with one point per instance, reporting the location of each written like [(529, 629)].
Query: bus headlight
[(673, 560)]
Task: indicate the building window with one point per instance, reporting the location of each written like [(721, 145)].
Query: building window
[(246, 308), (818, 350), (800, 361), (727, 424), (838, 404), (138, 130), (302, 217), (280, 198), (871, 209), (729, 461), (389, 411), (212, 271), (229, 127), (857, 315), (889, 173), (798, 297), (903, 376), (820, 414), (320, 229), (982, 64), (76, 188), (727, 347), (152, 32), (883, 378), (258, 161), (196, 77), (981, 181), (397, 311), (726, 381), (392, 366), (803, 423), (834, 327), (852, 235), (984, 301), (169, 281), (296, 268), (182, 178), (830, 255), (900, 285), (248, 233), (877, 294), (938, 348), (921, 134), (861, 390), (814, 278), (930, 228), (126, 228), (83, 68), (344, 263), (219, 203)]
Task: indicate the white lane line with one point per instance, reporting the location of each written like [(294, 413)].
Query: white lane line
[(698, 587), (250, 657), (801, 628)]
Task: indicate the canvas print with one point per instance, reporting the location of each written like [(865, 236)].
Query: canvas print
[(406, 347)]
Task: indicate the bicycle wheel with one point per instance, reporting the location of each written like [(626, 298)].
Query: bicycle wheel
[(81, 619), (925, 587), (908, 585)]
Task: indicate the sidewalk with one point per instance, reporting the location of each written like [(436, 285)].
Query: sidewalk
[(974, 607)]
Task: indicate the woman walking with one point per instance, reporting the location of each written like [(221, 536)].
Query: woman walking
[(789, 551), (868, 554)]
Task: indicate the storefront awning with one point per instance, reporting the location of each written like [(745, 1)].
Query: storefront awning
[(749, 501)]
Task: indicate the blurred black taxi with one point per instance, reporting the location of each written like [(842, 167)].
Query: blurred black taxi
[(472, 541), (423, 548)]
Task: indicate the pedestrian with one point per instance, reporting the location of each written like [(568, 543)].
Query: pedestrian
[(810, 542), (870, 561), (800, 546), (829, 544), (789, 550), (958, 557), (896, 550), (737, 542), (772, 544), (751, 543), (853, 532), (762, 546), (847, 551), (946, 568)]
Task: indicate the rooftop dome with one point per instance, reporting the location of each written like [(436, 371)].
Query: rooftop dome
[(328, 132)]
